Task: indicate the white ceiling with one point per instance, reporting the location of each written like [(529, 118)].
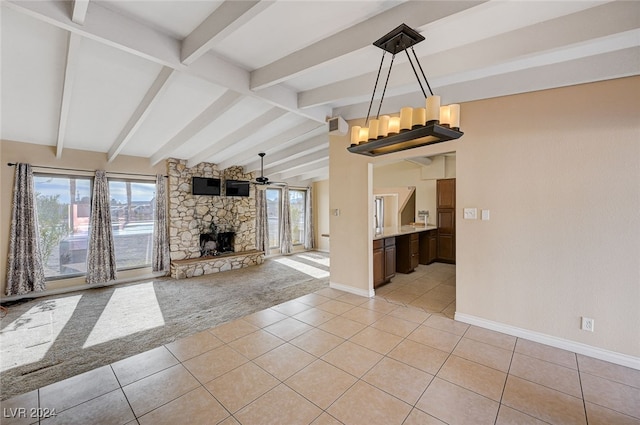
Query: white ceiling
[(220, 81)]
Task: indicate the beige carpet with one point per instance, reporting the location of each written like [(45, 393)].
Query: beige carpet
[(45, 340)]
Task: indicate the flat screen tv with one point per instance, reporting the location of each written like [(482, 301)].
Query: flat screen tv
[(237, 187), (205, 186)]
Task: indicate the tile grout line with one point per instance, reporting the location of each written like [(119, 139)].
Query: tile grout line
[(584, 402), (506, 378), (509, 374), (435, 375), (201, 385), (123, 393)]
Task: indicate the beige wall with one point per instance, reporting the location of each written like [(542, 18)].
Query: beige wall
[(321, 214), (45, 156), (350, 194), (405, 173), (560, 172)]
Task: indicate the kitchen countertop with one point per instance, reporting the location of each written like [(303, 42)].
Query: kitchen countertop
[(388, 232)]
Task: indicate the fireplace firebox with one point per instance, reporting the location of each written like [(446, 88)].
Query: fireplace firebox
[(216, 243)]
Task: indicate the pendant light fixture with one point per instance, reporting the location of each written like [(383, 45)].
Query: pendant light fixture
[(413, 127)]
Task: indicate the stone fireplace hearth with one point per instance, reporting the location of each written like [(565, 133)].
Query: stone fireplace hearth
[(202, 226)]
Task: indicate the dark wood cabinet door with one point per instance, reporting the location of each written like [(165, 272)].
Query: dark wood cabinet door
[(390, 262), (446, 248), (428, 247), (378, 267), (446, 192), (403, 254), (433, 247), (446, 221), (424, 248), (415, 251)]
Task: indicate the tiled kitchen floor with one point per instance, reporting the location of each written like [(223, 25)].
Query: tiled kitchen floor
[(331, 357)]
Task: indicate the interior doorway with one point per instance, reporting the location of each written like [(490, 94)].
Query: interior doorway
[(431, 287)]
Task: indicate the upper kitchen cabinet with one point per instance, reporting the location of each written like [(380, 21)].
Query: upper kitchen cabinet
[(446, 193)]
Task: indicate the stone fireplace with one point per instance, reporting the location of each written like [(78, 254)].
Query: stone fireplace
[(206, 231)]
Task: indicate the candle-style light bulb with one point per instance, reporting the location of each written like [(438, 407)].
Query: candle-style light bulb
[(406, 115), (394, 125), (433, 109), (418, 118), (445, 116), (373, 129), (364, 135), (355, 134), (383, 126), (454, 116)]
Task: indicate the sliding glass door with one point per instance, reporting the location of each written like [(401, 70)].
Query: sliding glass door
[(298, 210)]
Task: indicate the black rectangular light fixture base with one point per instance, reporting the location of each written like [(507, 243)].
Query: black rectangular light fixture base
[(421, 136), (398, 39)]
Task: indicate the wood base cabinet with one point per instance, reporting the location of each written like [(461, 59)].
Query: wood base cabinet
[(428, 246), (389, 258), (384, 260), (407, 252)]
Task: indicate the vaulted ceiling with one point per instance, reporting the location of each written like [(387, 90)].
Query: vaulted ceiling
[(220, 81)]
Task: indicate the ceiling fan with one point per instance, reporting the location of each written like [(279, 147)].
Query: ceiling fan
[(261, 181)]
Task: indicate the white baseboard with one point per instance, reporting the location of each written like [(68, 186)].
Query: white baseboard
[(565, 344), (352, 290)]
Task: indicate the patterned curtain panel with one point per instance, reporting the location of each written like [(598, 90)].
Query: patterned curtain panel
[(101, 257), (161, 256), (262, 222), (286, 246), (26, 271), (309, 240)]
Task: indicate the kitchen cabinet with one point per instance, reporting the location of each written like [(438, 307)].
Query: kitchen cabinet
[(446, 193), (389, 258), (446, 220), (407, 252), (378, 263), (384, 260), (428, 247)]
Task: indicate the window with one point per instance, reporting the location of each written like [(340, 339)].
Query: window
[(273, 216), (297, 209), (64, 208), (132, 213)]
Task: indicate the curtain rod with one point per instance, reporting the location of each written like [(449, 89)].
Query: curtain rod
[(11, 164)]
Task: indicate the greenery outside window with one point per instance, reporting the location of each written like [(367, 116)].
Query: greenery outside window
[(64, 208)]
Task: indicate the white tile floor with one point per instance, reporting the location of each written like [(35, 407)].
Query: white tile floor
[(331, 357)]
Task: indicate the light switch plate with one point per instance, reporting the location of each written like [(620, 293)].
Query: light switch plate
[(470, 213), (485, 214)]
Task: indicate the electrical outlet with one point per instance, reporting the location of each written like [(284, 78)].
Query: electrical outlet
[(587, 324)]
